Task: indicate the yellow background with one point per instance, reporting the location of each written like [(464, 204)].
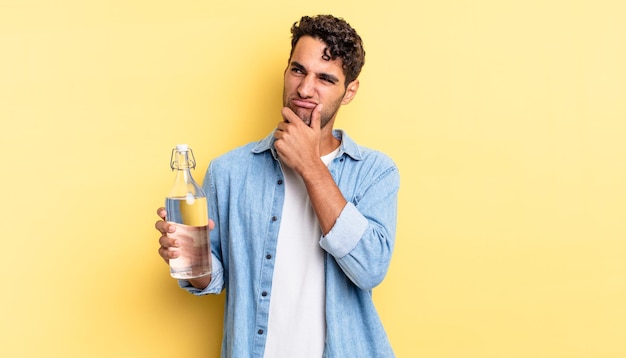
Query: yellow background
[(507, 120)]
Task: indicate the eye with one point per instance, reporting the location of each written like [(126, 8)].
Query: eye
[(328, 79)]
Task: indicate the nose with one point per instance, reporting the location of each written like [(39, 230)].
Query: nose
[(306, 87)]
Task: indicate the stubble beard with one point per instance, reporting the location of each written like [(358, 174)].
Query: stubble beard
[(305, 114)]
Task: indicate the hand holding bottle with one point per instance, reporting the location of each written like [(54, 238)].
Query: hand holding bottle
[(169, 248), (188, 250)]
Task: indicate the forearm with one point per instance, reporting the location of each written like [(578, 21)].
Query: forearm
[(326, 198)]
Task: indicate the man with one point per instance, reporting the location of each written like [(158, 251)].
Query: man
[(303, 221)]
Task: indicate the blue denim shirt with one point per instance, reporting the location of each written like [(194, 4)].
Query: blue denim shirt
[(245, 194)]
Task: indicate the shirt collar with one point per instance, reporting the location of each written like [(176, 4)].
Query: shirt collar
[(347, 146)]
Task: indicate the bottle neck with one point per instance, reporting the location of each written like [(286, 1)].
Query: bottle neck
[(183, 175), (181, 161), (184, 184)]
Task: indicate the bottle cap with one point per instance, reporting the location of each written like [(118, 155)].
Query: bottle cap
[(182, 147)]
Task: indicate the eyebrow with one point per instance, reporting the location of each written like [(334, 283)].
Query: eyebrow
[(323, 75), (297, 64)]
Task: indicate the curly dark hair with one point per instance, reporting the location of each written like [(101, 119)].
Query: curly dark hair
[(342, 40)]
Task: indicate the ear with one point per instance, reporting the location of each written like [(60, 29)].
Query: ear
[(351, 90)]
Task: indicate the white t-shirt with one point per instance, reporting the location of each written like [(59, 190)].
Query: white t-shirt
[(297, 323)]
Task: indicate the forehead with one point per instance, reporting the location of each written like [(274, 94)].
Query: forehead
[(309, 52)]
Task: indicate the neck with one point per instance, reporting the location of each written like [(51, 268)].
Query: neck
[(328, 142)]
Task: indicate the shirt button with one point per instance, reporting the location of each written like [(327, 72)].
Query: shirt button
[(260, 331), (280, 181), (268, 256), (274, 218), (263, 293)]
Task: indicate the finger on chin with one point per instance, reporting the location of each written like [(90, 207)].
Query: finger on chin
[(288, 114)]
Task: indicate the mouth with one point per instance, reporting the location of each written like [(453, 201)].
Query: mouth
[(303, 103)]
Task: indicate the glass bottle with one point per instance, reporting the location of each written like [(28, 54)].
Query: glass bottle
[(186, 206)]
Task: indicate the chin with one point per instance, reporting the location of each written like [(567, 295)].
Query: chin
[(305, 116)]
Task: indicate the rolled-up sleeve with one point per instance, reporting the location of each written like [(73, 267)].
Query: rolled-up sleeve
[(362, 239), (346, 233)]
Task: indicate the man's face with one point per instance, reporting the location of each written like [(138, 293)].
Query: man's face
[(310, 80)]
